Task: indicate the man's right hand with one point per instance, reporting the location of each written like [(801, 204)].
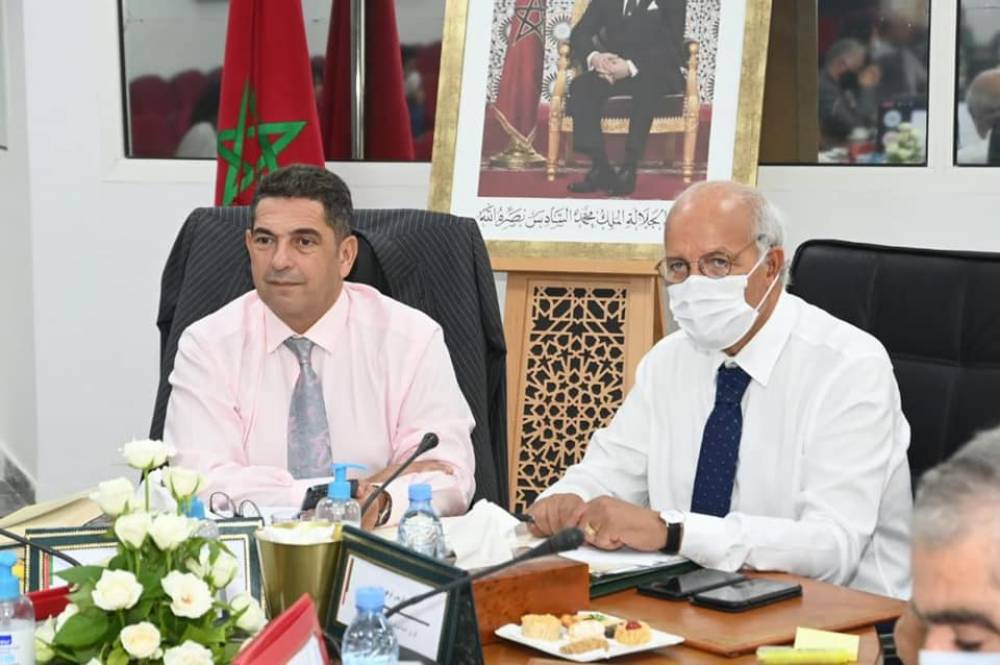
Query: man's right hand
[(555, 512)]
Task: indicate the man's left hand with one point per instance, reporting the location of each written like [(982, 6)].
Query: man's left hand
[(370, 519), (610, 523), (618, 69)]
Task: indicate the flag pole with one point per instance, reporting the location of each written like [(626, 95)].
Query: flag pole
[(358, 79)]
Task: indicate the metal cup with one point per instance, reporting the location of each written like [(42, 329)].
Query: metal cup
[(291, 570)]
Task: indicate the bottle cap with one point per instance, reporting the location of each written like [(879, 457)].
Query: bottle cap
[(340, 488), (370, 598), (10, 586), (196, 509), (420, 492)]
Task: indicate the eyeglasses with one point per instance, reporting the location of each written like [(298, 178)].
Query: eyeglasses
[(715, 265), (223, 505)]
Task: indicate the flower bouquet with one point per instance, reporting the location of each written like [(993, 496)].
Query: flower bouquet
[(157, 600)]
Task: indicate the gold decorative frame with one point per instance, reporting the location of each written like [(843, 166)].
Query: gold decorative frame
[(745, 150)]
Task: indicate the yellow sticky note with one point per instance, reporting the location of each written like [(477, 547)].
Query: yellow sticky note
[(810, 638)]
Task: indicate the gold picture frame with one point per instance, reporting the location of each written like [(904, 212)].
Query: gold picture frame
[(745, 148)]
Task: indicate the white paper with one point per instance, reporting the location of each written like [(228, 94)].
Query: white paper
[(482, 537), (604, 562), (418, 627), (309, 654)]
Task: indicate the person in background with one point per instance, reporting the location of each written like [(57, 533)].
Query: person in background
[(413, 84), (847, 92), (764, 434), (956, 556), (308, 369), (900, 51), (983, 101), (200, 141)]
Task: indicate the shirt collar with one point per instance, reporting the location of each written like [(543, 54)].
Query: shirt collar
[(760, 354), (324, 333)]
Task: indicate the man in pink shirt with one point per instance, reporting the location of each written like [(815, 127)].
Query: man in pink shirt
[(308, 369)]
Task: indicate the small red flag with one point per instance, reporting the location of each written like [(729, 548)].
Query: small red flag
[(267, 112), (516, 106), (387, 119)]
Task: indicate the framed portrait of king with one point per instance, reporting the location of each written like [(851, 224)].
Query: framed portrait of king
[(568, 127)]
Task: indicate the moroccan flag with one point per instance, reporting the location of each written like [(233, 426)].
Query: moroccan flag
[(516, 107), (267, 113), (387, 120)]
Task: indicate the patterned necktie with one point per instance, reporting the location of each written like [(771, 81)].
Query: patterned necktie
[(720, 445), (308, 430), (630, 6)]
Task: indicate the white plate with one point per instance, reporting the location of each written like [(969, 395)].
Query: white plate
[(512, 632)]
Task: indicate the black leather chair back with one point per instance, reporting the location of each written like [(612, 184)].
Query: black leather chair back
[(938, 315)]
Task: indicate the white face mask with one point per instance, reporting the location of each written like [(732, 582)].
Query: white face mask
[(958, 658), (714, 312)]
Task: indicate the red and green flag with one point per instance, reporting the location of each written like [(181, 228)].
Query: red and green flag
[(267, 114)]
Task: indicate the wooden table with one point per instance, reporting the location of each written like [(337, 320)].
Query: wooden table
[(720, 637)]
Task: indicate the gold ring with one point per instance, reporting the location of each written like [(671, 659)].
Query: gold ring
[(589, 530)]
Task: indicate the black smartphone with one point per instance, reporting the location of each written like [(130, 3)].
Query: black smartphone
[(317, 492), (746, 595), (679, 587)]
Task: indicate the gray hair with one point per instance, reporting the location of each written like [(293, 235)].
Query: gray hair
[(768, 222), (843, 48), (954, 496), (983, 97)]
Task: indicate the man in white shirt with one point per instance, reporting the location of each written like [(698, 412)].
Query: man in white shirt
[(765, 434), (983, 102)]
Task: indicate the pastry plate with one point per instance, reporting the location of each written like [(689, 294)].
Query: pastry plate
[(512, 632)]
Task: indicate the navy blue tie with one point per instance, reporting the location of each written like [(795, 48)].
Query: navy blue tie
[(720, 445)]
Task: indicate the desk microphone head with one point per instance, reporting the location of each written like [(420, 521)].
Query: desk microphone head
[(567, 539), (429, 442)]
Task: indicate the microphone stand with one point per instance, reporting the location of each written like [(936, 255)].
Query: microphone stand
[(429, 442)]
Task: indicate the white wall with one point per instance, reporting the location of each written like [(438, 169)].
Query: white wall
[(17, 358), (101, 228)]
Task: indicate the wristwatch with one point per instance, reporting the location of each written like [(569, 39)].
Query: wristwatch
[(385, 511), (674, 519)]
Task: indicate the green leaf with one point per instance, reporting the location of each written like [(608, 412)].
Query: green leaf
[(81, 574), (141, 611), (118, 656), (204, 635), (83, 629), (230, 651)]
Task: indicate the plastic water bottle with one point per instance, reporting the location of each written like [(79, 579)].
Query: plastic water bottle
[(369, 639), (420, 529), (337, 506), (17, 617), (207, 528)]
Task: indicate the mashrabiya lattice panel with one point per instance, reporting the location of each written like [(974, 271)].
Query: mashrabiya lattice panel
[(574, 380)]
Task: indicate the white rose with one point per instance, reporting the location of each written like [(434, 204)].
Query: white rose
[(141, 640), (94, 661), (65, 615), (220, 573), (182, 483), (116, 590), (191, 596), (169, 531), (147, 454), (114, 496), (189, 653), (132, 528), (44, 634), (253, 619)]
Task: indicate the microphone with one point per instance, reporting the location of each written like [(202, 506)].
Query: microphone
[(48, 550), (429, 442), (565, 540)]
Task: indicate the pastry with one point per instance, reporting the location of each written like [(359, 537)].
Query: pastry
[(585, 629), (633, 633), (541, 627), (583, 646), (569, 619)]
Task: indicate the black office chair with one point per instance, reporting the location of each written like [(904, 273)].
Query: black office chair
[(434, 262), (938, 315)]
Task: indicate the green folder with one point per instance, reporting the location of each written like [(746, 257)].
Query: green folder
[(603, 585)]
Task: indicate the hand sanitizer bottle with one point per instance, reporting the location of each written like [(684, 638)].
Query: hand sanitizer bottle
[(338, 506), (17, 617), (207, 528)]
